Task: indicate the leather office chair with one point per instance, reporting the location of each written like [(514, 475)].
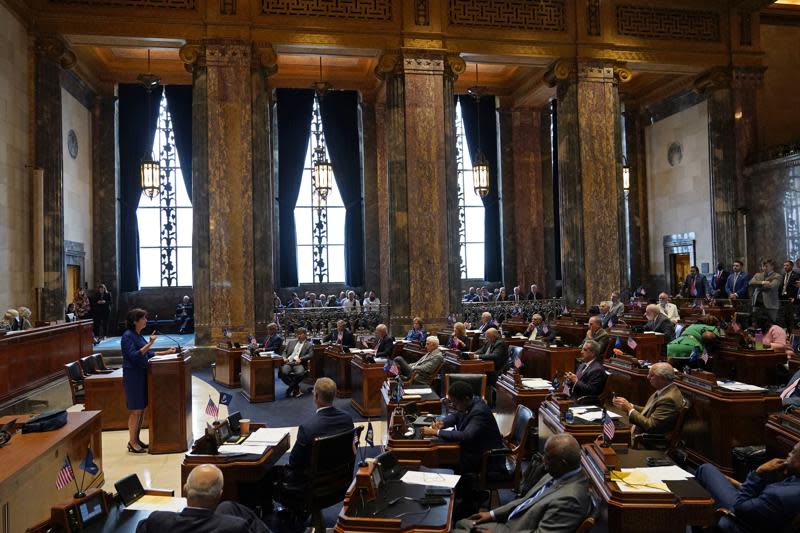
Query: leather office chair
[(329, 474), (99, 362), (669, 442), (516, 443), (723, 514), (75, 379), (589, 522), (87, 365), (476, 381)]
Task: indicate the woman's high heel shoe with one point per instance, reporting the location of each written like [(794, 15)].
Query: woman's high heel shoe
[(143, 445), (135, 450)]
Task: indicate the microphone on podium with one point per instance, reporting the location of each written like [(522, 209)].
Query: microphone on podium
[(178, 344)]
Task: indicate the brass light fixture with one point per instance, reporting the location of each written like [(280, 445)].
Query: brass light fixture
[(149, 169), (323, 170), (480, 166)]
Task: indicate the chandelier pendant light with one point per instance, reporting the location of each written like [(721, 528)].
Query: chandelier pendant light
[(480, 165), (323, 170), (149, 168)]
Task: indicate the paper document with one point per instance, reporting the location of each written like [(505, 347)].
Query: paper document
[(637, 480), (663, 473), (164, 357), (235, 449), (740, 387), (583, 409), (421, 391), (430, 478), (537, 383), (591, 416), (270, 436), (158, 503)]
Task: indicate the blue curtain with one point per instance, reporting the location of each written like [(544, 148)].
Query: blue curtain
[(179, 103), (341, 124), (294, 108), (493, 261), (136, 131)]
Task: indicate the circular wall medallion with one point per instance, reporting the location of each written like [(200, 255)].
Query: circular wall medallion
[(72, 144), (675, 154)]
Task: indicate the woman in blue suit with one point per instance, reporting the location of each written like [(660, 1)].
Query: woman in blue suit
[(135, 354)]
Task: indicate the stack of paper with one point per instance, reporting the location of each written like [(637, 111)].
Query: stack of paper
[(268, 436), (740, 387), (591, 416), (149, 502), (648, 479), (536, 383), (420, 391), (413, 477), (167, 357)]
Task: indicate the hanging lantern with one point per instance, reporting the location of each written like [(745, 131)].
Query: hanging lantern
[(150, 172), (323, 173), (480, 175)]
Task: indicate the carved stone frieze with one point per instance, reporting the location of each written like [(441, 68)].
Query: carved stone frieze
[(372, 10), (542, 15), (593, 18), (422, 12), (55, 49), (170, 4), (651, 22)]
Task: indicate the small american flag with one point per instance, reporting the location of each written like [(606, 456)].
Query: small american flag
[(736, 327), (704, 356), (608, 427), (565, 388), (632, 343), (393, 370), (517, 362), (545, 329), (211, 408), (65, 475)]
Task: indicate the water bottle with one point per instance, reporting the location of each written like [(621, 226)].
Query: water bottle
[(759, 338), (569, 417)]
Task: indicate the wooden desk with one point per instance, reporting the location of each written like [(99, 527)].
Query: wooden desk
[(551, 422), (649, 346), (627, 380), (756, 367), (316, 369), (32, 461), (411, 351), (511, 393), (367, 379), (104, 392), (720, 420), (258, 377), (429, 403), (169, 389), (229, 366), (247, 478), (337, 367), (431, 452), (34, 357), (455, 364), (657, 512), (544, 361), (359, 515), (571, 334), (781, 434)]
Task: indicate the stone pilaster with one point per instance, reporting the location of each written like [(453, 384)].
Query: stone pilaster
[(552, 251), (590, 173), (371, 216), (420, 229), (232, 187), (637, 197), (451, 187), (52, 55), (508, 200), (105, 181)]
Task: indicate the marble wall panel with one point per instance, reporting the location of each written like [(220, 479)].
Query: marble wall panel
[(679, 195), (105, 179), (78, 182), (371, 215), (722, 151), (200, 204), (780, 123), (382, 192), (15, 186), (508, 200)]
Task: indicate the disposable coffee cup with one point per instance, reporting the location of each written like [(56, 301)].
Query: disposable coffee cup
[(244, 426)]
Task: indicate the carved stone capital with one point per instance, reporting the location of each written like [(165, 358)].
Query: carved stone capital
[(264, 57), (425, 61), (713, 79), (54, 48), (193, 56), (753, 76), (559, 72)]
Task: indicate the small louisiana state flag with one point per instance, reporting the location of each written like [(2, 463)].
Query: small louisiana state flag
[(370, 436), (211, 408)]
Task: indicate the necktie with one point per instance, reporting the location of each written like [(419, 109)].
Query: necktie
[(788, 391), (692, 290), (519, 509), (664, 307), (735, 278), (785, 282), (581, 370)]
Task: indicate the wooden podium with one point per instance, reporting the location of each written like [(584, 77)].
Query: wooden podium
[(169, 392), (337, 367), (258, 377), (544, 361), (367, 379), (229, 366)]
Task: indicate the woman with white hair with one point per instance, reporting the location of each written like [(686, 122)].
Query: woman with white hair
[(10, 321), (24, 318)]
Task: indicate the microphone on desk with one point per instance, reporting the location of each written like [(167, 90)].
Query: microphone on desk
[(155, 330)]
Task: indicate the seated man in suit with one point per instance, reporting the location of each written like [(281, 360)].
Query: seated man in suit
[(658, 322), (668, 308), (425, 369), (590, 379), (495, 350), (385, 346), (659, 414), (534, 293), (473, 425), (184, 315), (274, 341), (328, 420), (341, 336), (607, 318), (558, 502), (486, 322), (204, 512), (768, 500), (298, 352), (538, 330), (616, 307), (597, 334)]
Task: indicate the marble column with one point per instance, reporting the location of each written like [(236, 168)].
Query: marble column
[(552, 252), (590, 174), (52, 55), (420, 184), (105, 180), (382, 191), (528, 231), (508, 198), (232, 187), (637, 196), (371, 216)]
